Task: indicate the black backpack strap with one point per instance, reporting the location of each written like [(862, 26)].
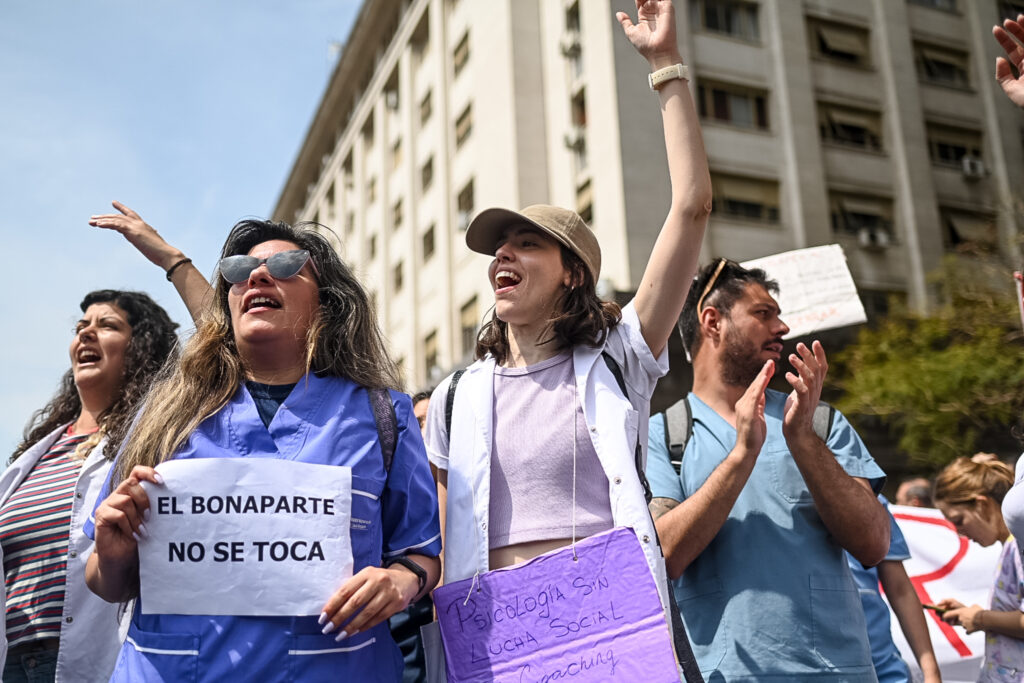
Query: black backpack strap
[(824, 416), (678, 430), (638, 453), (387, 423), (449, 402)]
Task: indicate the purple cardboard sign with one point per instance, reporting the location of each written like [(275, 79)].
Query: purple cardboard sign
[(597, 618)]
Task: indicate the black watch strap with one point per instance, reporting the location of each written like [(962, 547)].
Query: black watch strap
[(419, 571)]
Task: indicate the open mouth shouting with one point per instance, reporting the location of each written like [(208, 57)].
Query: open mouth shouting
[(505, 280), (256, 302), (87, 355)]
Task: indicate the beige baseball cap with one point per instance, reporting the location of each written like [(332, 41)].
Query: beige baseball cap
[(564, 225)]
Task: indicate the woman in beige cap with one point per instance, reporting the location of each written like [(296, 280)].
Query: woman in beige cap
[(540, 444)]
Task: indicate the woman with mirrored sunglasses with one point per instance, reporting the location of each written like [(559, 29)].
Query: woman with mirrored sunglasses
[(54, 627), (287, 349)]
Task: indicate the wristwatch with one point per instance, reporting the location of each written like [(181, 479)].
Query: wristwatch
[(658, 78), (420, 572)]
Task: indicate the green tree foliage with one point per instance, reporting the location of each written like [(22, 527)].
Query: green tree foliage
[(940, 381)]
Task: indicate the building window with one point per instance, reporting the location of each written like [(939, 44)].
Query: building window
[(350, 223), (427, 242), (371, 190), (850, 127), (371, 247), (869, 219), (426, 107), (969, 232), (743, 198), (430, 354), (427, 175), (396, 277), (585, 201), (460, 55), (571, 45), (464, 125), (941, 65), (464, 204), (733, 104), (840, 43), (396, 215), (944, 5), (735, 18), (329, 199), (396, 154), (948, 145), (468, 318)]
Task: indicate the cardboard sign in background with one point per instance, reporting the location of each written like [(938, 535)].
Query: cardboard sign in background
[(595, 618), (245, 537)]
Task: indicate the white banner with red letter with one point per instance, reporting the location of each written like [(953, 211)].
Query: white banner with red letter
[(945, 565)]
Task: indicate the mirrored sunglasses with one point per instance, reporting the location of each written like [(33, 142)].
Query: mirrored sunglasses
[(282, 265)]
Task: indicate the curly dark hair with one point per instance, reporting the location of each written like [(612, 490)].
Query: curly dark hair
[(583, 318), (152, 343)]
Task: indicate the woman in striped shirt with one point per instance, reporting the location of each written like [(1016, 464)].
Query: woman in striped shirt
[(54, 626)]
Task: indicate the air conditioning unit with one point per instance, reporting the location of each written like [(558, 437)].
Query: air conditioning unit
[(973, 167), (576, 138), (570, 44), (464, 219), (391, 100), (873, 238)]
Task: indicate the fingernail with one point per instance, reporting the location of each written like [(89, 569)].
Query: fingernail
[(329, 627), (147, 514), (159, 479), (143, 531), (323, 618), (340, 636), (136, 537)]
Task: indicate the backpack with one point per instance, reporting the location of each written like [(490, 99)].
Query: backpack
[(679, 427)]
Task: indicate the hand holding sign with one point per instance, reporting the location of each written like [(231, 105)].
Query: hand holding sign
[(119, 526)]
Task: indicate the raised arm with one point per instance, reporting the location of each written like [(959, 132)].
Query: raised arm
[(846, 504), (686, 528), (673, 262), (192, 287)]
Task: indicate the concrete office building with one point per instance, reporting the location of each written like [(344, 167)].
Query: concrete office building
[(875, 123)]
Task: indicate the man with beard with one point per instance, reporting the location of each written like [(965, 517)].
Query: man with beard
[(754, 519)]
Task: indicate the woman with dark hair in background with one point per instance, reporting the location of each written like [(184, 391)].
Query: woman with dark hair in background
[(54, 626), (289, 327)]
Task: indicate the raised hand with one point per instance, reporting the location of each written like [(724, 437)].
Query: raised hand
[(654, 33), (1005, 34), (140, 234), (751, 429), (811, 367)]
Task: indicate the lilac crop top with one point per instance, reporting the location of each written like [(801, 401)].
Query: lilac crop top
[(531, 458)]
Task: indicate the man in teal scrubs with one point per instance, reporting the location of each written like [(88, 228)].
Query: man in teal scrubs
[(754, 523)]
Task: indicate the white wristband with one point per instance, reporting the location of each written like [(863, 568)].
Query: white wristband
[(669, 73)]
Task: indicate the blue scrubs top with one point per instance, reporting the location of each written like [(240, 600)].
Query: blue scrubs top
[(325, 420), (889, 666), (771, 597)]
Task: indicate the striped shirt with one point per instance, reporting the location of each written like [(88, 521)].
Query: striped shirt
[(34, 533)]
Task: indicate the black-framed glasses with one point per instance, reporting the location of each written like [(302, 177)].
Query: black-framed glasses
[(282, 265)]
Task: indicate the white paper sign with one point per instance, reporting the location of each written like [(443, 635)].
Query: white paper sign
[(816, 290), (245, 537)]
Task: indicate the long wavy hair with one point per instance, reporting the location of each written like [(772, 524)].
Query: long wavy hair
[(343, 341), (580, 316), (153, 341)]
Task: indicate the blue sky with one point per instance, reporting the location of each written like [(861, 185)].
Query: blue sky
[(189, 112)]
